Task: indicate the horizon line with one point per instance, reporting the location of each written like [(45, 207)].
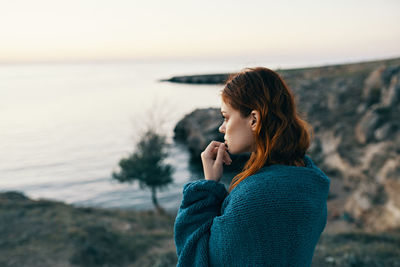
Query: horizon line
[(154, 60)]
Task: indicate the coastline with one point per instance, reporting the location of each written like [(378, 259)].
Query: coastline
[(334, 69)]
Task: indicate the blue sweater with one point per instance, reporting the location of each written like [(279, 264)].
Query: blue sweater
[(272, 218)]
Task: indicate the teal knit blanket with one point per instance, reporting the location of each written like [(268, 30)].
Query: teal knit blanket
[(272, 218)]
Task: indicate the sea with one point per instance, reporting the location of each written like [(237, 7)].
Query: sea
[(65, 126)]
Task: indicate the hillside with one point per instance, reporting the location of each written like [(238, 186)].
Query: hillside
[(50, 234)]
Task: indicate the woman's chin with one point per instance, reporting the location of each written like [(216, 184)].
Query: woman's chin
[(232, 152), (238, 152)]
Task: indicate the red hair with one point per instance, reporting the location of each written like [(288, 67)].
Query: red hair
[(281, 137)]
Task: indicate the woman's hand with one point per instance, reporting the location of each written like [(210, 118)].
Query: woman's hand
[(212, 157)]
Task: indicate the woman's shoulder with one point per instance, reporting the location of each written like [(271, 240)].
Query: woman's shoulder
[(281, 180)]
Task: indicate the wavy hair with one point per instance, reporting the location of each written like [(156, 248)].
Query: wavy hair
[(281, 137)]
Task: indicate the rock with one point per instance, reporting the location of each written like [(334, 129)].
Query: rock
[(12, 196), (361, 108), (376, 202), (388, 73), (200, 79), (377, 123), (199, 128), (363, 202), (382, 132), (373, 85), (391, 96), (366, 126)]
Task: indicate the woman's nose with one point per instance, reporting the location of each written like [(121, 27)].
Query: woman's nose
[(222, 128)]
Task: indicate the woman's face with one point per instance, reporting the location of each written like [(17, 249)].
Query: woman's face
[(238, 130)]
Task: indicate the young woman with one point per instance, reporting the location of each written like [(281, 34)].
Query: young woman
[(275, 210)]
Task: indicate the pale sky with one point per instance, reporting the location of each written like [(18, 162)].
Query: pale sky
[(57, 30)]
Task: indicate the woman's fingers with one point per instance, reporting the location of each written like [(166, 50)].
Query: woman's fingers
[(220, 154), (213, 158), (211, 149), (227, 158)]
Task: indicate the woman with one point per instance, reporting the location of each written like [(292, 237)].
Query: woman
[(275, 209)]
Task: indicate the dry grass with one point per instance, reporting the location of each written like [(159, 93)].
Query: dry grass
[(46, 233)]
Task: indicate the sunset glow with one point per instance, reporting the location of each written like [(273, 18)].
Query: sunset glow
[(47, 30)]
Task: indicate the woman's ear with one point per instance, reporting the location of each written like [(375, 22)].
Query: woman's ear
[(255, 119)]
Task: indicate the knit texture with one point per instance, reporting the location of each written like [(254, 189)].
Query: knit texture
[(272, 218)]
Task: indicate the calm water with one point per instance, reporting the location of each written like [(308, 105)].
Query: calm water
[(63, 128)]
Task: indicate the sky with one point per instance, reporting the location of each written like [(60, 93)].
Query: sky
[(75, 30)]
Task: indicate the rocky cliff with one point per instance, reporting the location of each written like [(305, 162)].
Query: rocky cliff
[(354, 110)]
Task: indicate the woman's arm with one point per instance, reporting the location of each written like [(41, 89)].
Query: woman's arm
[(201, 203), (274, 223), (214, 229)]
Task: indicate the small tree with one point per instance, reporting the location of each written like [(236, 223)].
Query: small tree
[(146, 165)]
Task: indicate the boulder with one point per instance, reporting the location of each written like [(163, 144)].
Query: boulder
[(366, 127), (373, 85), (391, 96), (376, 204), (198, 128)]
